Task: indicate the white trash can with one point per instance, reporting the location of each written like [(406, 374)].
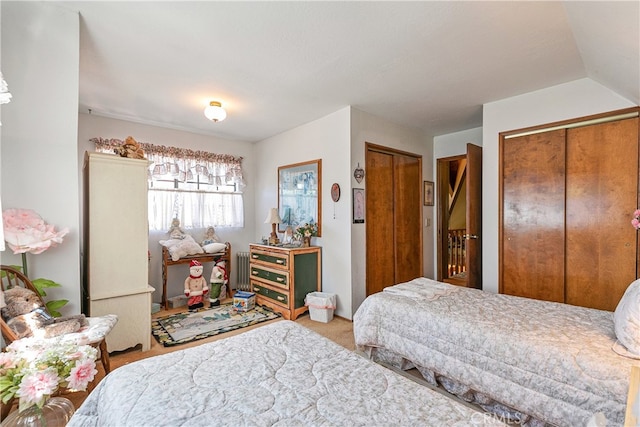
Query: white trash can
[(321, 306)]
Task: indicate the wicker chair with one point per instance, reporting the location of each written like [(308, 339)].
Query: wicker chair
[(93, 334)]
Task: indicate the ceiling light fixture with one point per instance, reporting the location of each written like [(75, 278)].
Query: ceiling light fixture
[(215, 112)]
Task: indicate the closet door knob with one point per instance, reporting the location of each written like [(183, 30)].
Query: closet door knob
[(470, 236)]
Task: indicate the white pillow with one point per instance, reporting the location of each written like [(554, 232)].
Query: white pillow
[(626, 320), (179, 248), (212, 248)]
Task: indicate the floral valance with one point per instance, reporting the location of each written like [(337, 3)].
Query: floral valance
[(183, 163)]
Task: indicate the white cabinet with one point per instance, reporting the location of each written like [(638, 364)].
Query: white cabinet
[(116, 247)]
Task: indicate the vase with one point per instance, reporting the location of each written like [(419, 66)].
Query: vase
[(56, 412), (306, 242)]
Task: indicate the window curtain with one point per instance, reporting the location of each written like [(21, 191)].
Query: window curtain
[(194, 208)]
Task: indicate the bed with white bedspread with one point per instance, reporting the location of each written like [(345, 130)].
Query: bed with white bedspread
[(280, 374), (549, 361)]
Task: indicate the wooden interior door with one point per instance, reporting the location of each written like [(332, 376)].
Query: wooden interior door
[(379, 221), (532, 240), (602, 194), (474, 217), (393, 217)]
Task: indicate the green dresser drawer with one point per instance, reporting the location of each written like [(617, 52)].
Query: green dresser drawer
[(275, 259), (275, 277), (279, 297)]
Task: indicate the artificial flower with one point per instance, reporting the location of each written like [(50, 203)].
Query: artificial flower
[(26, 231), (32, 369), (636, 219)]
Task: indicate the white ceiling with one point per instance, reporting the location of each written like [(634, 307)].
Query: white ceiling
[(278, 65)]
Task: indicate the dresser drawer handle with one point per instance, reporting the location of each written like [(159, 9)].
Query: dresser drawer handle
[(254, 256), (254, 272), (279, 261), (280, 298), (256, 289), (280, 279)]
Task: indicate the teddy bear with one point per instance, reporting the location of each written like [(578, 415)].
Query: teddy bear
[(27, 317), (195, 286), (130, 148)]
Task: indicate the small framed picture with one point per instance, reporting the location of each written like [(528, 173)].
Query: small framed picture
[(428, 193), (358, 205)]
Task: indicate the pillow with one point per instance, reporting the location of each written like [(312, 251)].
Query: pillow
[(179, 248), (212, 248), (626, 320)]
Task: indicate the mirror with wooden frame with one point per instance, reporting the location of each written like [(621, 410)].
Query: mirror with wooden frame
[(300, 194)]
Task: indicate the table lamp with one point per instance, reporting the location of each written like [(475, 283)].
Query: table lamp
[(273, 218)]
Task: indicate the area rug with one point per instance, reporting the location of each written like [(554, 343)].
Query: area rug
[(185, 327)]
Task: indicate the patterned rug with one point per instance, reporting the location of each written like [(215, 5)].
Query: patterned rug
[(184, 327)]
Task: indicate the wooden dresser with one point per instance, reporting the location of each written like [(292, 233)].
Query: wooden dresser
[(282, 277)]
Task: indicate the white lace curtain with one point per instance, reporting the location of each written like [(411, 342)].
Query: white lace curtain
[(195, 208)]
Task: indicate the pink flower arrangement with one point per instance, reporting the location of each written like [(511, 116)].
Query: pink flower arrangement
[(33, 370), (635, 222), (26, 231)]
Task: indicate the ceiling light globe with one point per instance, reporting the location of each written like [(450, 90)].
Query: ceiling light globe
[(215, 112)]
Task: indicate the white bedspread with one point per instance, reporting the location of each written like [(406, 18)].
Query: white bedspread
[(549, 360), (280, 374)]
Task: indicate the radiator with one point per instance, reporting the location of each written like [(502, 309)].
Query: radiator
[(242, 261)]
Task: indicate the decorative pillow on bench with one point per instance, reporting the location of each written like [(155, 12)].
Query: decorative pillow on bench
[(179, 248), (213, 248)]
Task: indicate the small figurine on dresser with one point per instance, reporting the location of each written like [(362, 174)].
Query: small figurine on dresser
[(176, 232), (195, 286), (210, 236)]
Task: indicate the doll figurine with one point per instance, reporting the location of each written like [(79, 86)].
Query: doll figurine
[(176, 232), (195, 286), (210, 236)]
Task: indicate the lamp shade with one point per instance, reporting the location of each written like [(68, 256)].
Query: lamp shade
[(215, 112), (273, 217)]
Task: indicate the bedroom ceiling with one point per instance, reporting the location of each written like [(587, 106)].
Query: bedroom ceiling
[(278, 65)]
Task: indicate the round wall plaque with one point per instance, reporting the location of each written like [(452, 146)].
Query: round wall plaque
[(335, 192)]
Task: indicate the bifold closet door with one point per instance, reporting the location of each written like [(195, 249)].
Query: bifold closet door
[(379, 222), (533, 192), (602, 194)]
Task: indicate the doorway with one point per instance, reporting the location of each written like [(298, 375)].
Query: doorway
[(393, 217), (459, 207)]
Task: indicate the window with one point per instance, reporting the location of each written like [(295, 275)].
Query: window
[(200, 189)]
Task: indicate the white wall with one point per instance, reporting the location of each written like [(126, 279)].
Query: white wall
[(368, 128), (92, 126), (567, 101), (328, 139), (452, 144), (40, 60)]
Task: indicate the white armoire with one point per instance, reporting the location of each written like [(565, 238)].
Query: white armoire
[(116, 244)]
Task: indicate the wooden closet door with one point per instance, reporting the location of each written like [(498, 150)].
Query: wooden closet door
[(602, 194), (379, 222), (407, 218), (533, 191)]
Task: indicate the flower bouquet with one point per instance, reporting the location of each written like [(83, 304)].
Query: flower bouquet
[(33, 370), (305, 232)]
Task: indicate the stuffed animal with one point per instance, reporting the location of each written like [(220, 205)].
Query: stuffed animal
[(195, 286), (130, 148), (219, 280), (26, 316)]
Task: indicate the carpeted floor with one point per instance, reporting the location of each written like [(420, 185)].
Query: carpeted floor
[(338, 330)]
